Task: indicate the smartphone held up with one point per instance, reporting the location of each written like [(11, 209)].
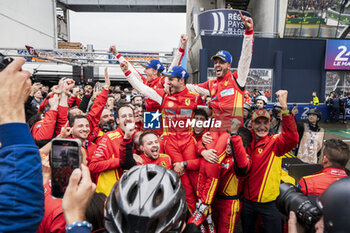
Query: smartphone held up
[(64, 158)]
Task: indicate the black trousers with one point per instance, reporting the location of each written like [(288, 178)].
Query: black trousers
[(269, 213)]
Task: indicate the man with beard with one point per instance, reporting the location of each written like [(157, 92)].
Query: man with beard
[(177, 107), (105, 163), (153, 70), (227, 94), (150, 151)]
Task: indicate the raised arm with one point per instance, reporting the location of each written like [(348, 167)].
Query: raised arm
[(140, 86), (179, 54), (122, 59), (289, 137), (247, 51)]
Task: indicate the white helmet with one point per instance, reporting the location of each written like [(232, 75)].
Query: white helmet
[(261, 97)]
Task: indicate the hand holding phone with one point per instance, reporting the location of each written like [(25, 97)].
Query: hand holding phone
[(64, 158)]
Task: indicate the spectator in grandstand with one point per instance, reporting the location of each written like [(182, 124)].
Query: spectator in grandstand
[(263, 166), (334, 157), (261, 102), (311, 137), (314, 100), (105, 163), (21, 199)]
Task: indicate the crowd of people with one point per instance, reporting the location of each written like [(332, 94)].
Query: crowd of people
[(311, 5), (213, 160)]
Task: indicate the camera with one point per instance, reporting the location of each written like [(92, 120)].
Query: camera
[(292, 199), (4, 61), (275, 112)]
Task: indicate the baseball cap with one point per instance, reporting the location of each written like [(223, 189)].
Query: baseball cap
[(177, 71), (224, 55), (155, 64), (260, 113)]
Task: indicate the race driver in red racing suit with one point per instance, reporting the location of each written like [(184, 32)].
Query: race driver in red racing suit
[(227, 94), (177, 107)]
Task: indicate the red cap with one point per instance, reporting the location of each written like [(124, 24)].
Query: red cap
[(260, 113)]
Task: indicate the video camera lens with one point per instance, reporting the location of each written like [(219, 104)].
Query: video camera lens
[(4, 61), (292, 199)]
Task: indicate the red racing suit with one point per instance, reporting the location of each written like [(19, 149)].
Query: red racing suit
[(263, 167), (157, 83), (317, 183), (96, 112), (105, 163), (177, 111), (45, 129), (53, 220), (162, 160), (227, 94)]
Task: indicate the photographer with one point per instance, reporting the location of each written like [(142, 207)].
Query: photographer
[(333, 203), (334, 157), (276, 119)]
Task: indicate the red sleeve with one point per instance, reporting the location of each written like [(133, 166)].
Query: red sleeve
[(241, 158), (302, 186), (200, 147), (46, 128), (122, 150), (62, 118), (73, 99), (102, 159), (97, 108), (289, 137), (142, 77), (182, 51), (193, 164), (58, 225), (204, 85)]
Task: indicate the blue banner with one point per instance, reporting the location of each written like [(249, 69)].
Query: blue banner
[(304, 108), (223, 21), (337, 55)]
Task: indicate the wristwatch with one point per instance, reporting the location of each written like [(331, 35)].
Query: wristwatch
[(234, 134), (185, 164)]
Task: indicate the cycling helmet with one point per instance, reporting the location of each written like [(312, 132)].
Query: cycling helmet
[(147, 199), (247, 106), (315, 111), (261, 97), (277, 105), (334, 204)]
